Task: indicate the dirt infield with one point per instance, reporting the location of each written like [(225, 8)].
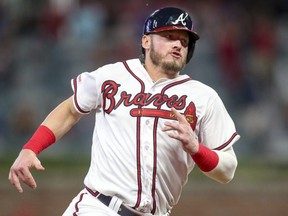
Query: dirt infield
[(249, 195)]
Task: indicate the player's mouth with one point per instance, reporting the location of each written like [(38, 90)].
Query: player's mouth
[(176, 54)]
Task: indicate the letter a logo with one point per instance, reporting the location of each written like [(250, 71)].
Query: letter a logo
[(181, 19)]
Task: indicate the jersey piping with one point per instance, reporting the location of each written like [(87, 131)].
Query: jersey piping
[(227, 143), (137, 138), (155, 142), (138, 113), (75, 98)]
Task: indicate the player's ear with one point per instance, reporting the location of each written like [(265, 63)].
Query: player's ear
[(146, 40)]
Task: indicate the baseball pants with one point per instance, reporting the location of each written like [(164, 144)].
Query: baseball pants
[(84, 204)]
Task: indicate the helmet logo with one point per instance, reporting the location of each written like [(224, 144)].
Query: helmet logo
[(181, 19), (155, 24)]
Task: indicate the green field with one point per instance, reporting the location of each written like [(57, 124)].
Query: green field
[(259, 188)]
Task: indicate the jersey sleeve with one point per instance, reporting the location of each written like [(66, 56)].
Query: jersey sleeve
[(218, 130), (86, 93)]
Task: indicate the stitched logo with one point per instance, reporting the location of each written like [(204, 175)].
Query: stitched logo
[(181, 19)]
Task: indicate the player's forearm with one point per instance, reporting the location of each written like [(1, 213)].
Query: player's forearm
[(62, 118), (226, 167), (57, 123)]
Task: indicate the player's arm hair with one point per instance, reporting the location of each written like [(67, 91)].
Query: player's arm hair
[(54, 127), (226, 167), (62, 118)]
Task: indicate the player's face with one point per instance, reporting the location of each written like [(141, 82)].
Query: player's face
[(169, 50)]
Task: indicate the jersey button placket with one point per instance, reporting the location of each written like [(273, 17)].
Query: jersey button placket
[(147, 157)]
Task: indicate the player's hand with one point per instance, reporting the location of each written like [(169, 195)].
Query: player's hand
[(182, 131), (20, 170)]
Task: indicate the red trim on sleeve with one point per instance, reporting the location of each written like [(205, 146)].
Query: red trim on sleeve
[(226, 143), (75, 98)]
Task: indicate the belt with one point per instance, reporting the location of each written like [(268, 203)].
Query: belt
[(123, 210)]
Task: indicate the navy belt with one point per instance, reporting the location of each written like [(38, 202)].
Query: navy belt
[(123, 210)]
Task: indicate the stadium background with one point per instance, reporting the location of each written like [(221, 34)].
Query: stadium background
[(242, 53)]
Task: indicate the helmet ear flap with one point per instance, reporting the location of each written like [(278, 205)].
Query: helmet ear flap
[(142, 55), (190, 50)]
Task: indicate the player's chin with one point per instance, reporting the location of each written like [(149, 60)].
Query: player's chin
[(181, 62), (175, 66), (178, 60)]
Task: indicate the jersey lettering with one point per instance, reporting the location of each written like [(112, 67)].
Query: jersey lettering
[(110, 89)]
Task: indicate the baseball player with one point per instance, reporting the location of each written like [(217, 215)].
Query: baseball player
[(153, 125)]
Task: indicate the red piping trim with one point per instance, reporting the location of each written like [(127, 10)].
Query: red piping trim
[(76, 204), (75, 98), (139, 181), (227, 143), (153, 191)]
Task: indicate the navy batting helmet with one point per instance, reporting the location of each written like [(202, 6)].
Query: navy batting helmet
[(171, 18)]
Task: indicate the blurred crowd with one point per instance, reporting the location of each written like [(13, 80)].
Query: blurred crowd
[(242, 53)]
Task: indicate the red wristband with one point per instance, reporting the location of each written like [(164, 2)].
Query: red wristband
[(205, 158), (41, 139)]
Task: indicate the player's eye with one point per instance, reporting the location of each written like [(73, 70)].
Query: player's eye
[(169, 36), (184, 41)]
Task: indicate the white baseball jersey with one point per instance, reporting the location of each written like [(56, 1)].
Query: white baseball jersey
[(132, 157)]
